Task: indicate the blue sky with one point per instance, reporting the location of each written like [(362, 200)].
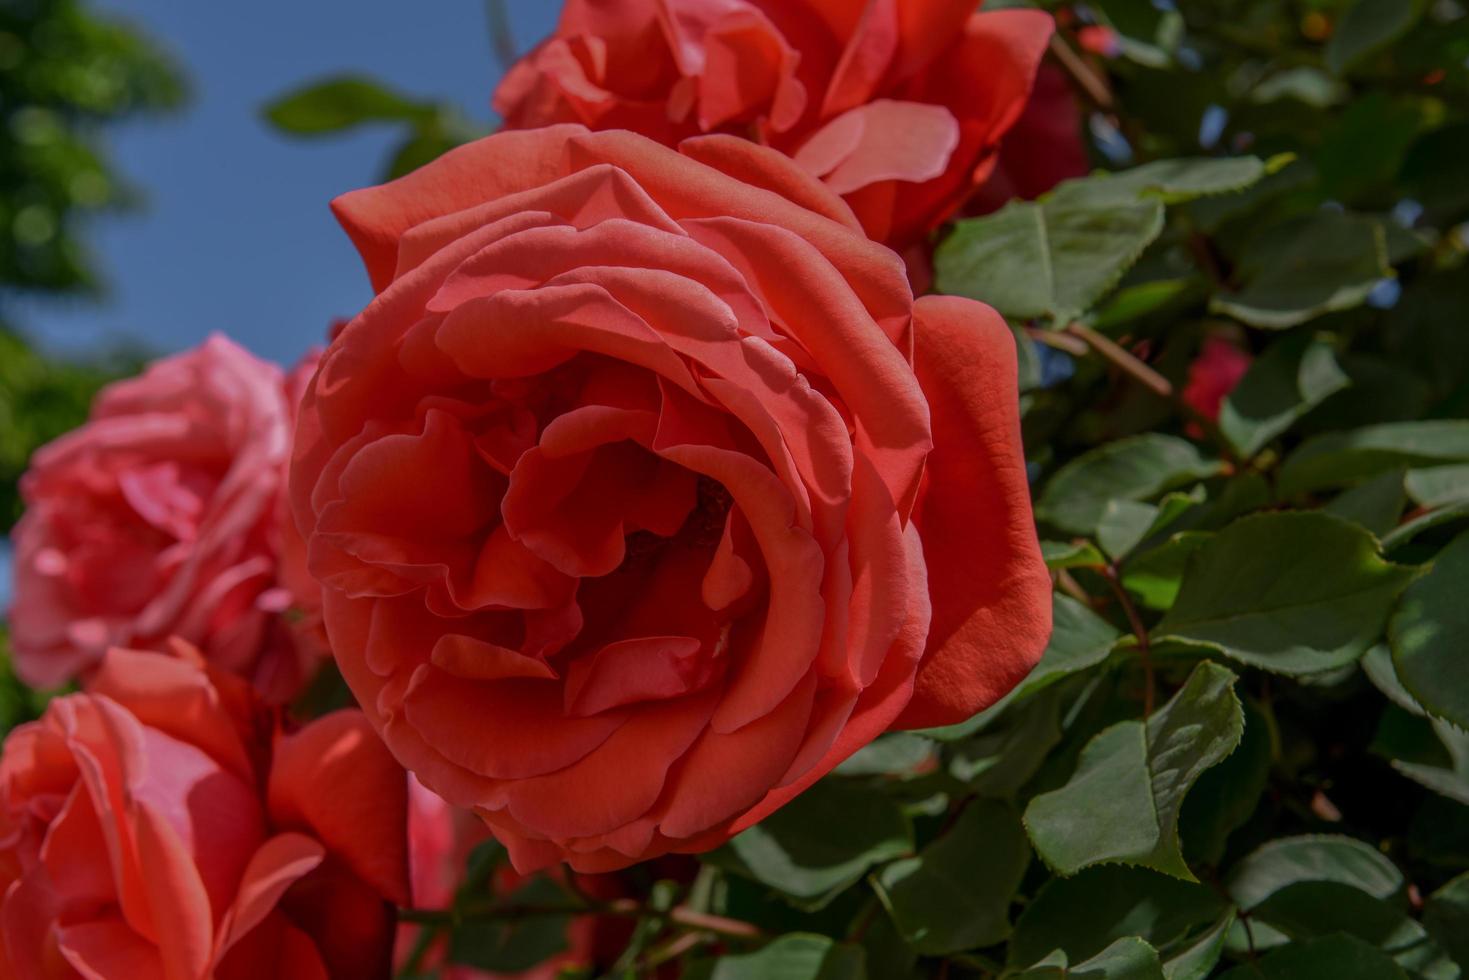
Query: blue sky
[(235, 234)]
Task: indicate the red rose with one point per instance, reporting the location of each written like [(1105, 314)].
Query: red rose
[(899, 105), (1043, 148), (644, 493), (165, 516), (150, 828), (1213, 375)]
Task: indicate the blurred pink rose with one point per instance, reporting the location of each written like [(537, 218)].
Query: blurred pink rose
[(163, 516)]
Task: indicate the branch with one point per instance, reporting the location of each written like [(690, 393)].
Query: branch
[(1123, 360), (1135, 621), (1098, 92), (622, 908)]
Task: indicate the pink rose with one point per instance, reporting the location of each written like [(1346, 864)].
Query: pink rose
[(164, 516)]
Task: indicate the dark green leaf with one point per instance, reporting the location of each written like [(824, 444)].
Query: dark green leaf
[(1290, 860), (1122, 805), (1446, 916), (1128, 958), (1084, 914), (1295, 593), (515, 945), (1438, 485), (1451, 781), (1342, 458), (1375, 505), (1140, 468), (956, 894), (997, 763), (1082, 554), (336, 104), (1294, 375), (797, 956), (1368, 26), (1172, 181), (1226, 795), (898, 753), (1311, 909), (1198, 960), (820, 843), (1156, 575), (1328, 958), (1306, 267), (1429, 634)]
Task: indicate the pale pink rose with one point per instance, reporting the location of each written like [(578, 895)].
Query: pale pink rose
[(163, 516)]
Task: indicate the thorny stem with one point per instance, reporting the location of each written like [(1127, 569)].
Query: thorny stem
[(1134, 367), (1135, 621), (622, 907)]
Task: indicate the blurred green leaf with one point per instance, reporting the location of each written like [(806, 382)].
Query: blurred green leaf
[(1293, 593), (1287, 861), (1198, 960), (1156, 575), (1171, 181), (1342, 458), (1446, 917), (1227, 795), (512, 946), (1305, 267), (335, 104), (1122, 804), (956, 893), (1375, 505), (1368, 26)]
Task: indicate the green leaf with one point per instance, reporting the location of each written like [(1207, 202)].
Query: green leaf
[(1122, 804), (1287, 861), (1076, 554), (820, 843), (1171, 181), (1045, 259), (1294, 375), (1226, 796), (1305, 267), (516, 945), (1451, 781), (1139, 468), (1131, 303), (956, 894), (1367, 27), (1337, 957), (1156, 575), (1378, 667), (1199, 959), (999, 763), (1128, 958), (1127, 523), (1079, 639), (1295, 593), (1343, 458), (1446, 917), (897, 753), (796, 956), (1375, 505), (1084, 914), (1429, 635), (1311, 909), (1409, 530), (336, 104), (1438, 485)]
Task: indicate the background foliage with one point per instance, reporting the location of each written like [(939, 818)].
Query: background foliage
[(1246, 751)]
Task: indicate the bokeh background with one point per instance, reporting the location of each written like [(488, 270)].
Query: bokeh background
[(205, 216)]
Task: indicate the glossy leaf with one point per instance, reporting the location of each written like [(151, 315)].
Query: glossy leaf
[(1136, 469), (1429, 634), (1122, 804)]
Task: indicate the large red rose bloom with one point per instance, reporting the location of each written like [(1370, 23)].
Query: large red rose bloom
[(644, 493), (898, 105)]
